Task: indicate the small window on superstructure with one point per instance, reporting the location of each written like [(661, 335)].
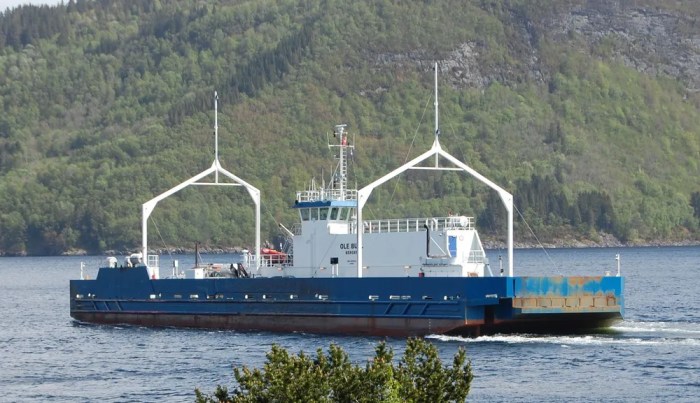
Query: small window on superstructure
[(304, 213), (324, 213), (334, 213), (314, 214)]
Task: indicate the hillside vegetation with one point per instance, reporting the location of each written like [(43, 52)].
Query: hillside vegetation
[(589, 113)]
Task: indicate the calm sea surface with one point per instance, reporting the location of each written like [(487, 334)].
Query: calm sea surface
[(652, 356)]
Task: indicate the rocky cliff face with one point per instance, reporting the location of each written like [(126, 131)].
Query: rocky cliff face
[(654, 41)]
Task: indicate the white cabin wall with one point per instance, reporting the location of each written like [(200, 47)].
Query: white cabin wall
[(392, 254)]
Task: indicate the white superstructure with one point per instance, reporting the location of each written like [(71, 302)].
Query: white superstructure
[(325, 245), (332, 239)]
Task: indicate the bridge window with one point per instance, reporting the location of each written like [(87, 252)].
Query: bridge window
[(334, 213), (324, 213), (304, 212)]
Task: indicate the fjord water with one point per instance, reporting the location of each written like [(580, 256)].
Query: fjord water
[(653, 355)]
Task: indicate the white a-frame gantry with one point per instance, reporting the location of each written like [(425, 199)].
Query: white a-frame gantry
[(437, 151), (215, 169)]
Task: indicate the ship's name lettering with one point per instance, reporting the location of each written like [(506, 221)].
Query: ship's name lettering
[(348, 245)]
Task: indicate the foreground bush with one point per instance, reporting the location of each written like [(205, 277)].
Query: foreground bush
[(419, 376)]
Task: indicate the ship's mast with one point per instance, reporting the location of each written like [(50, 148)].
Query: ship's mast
[(437, 125), (216, 133), (343, 166), (341, 179)]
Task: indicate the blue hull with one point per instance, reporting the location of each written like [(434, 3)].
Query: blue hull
[(409, 306)]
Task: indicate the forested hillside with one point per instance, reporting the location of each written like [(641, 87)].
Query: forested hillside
[(588, 112)]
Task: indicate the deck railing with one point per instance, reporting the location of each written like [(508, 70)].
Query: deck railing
[(417, 224), (152, 261), (476, 256), (326, 194), (407, 225)]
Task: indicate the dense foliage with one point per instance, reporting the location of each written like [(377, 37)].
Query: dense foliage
[(419, 376), (108, 103)]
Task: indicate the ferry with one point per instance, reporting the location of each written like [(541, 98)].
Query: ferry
[(342, 274)]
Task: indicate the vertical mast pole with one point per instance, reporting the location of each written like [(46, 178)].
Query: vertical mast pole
[(216, 135), (509, 206), (343, 143), (360, 234), (144, 233), (437, 126)]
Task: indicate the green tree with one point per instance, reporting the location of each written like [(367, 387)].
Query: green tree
[(419, 377), (695, 203), (104, 104)]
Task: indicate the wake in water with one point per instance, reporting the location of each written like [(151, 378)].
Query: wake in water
[(689, 328), (627, 333)]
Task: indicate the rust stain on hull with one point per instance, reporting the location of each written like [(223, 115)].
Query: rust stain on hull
[(570, 304)]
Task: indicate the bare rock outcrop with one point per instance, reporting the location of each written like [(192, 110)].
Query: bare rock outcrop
[(652, 41)]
